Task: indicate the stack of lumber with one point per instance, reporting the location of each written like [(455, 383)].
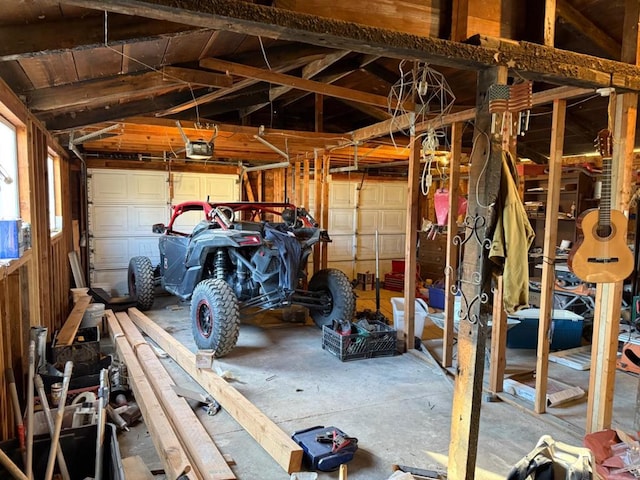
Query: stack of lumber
[(182, 443)]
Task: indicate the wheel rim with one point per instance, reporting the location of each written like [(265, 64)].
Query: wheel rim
[(204, 319), (327, 301)]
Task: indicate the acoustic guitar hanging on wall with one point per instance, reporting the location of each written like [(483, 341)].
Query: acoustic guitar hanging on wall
[(602, 255)]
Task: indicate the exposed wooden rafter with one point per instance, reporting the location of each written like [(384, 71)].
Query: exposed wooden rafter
[(539, 61)]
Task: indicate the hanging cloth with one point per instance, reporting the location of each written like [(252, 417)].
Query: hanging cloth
[(512, 237)]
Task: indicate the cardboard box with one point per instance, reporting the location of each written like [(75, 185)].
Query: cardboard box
[(366, 281), (11, 239)]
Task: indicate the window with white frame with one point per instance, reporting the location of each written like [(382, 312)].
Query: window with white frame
[(53, 183), (9, 199)]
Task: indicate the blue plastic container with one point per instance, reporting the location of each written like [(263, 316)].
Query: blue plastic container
[(11, 245), (566, 328)]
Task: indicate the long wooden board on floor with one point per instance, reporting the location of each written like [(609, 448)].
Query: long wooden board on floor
[(172, 455), (135, 469), (197, 442), (277, 443), (67, 333)]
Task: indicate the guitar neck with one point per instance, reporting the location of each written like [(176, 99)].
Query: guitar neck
[(604, 211)]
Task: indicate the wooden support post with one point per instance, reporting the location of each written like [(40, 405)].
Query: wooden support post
[(630, 39), (606, 317), (279, 445), (549, 252), (260, 186), (451, 269), (319, 112), (485, 173), (317, 208), (297, 191), (171, 453), (498, 340), (247, 187), (411, 240), (305, 184), (549, 22), (326, 162)]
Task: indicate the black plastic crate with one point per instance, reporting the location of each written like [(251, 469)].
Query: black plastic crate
[(361, 343), (84, 352)]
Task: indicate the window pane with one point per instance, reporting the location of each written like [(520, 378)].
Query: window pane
[(9, 203)]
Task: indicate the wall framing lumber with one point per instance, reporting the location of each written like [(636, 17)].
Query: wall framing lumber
[(198, 445), (549, 252), (279, 445), (170, 451), (549, 33), (472, 330), (317, 207), (537, 60), (451, 269), (498, 360), (67, 333), (324, 222)]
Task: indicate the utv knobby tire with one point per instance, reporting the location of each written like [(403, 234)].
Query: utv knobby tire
[(215, 317), (141, 283), (337, 286)]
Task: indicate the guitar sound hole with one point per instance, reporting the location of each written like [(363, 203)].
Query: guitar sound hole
[(604, 231)]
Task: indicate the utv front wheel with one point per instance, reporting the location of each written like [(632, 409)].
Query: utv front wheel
[(215, 316), (341, 300), (140, 277)]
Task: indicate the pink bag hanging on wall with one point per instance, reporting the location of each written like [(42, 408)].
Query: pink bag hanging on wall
[(441, 201)]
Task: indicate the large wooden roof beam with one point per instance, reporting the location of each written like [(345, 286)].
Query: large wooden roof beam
[(540, 62)]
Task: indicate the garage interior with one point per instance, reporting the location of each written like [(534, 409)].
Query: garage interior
[(447, 147)]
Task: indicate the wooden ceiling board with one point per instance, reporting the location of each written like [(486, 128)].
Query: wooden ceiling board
[(187, 47), (607, 15), (12, 73), (98, 62), (50, 70), (143, 55), (225, 43), (29, 12), (410, 16)]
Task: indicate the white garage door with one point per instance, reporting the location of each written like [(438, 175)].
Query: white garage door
[(354, 217), (123, 206)]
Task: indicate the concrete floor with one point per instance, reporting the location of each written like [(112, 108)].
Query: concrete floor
[(398, 407)]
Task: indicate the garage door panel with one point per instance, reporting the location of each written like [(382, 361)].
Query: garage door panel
[(187, 221), (185, 188), (341, 195), (341, 248), (143, 218), (394, 195), (113, 281), (370, 195), (367, 221), (366, 247), (220, 188), (108, 187), (392, 246), (341, 221), (392, 221), (147, 187), (110, 253), (145, 247), (108, 220)]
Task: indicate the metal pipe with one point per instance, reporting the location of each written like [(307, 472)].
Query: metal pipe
[(32, 370), (272, 147), (68, 369), (103, 400), (91, 135), (62, 464)]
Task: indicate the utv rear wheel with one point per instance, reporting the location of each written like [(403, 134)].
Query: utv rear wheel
[(215, 316), (141, 282), (341, 300)]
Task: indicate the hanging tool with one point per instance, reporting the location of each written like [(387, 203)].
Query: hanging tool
[(15, 403), (62, 464), (68, 369)]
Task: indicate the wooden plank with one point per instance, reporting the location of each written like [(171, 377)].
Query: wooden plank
[(485, 172), (549, 252), (76, 269), (317, 208), (295, 82), (170, 451), (135, 469), (247, 187), (459, 21), (578, 358), (104, 90), (326, 164), (549, 33), (278, 444), (199, 447), (630, 50), (451, 269), (498, 339), (411, 240), (305, 184), (197, 77), (67, 333)]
